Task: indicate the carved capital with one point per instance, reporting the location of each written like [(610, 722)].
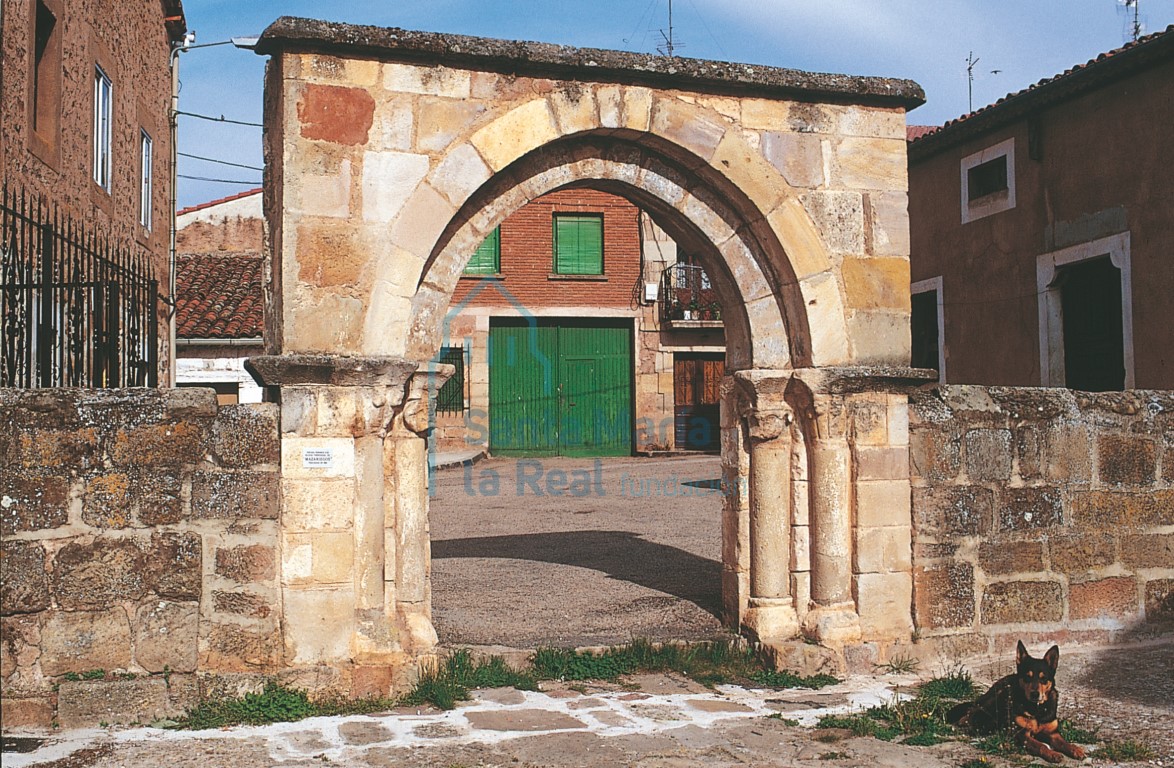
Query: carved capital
[(420, 402), (769, 425)]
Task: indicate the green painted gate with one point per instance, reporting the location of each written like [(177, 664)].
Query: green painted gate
[(560, 388)]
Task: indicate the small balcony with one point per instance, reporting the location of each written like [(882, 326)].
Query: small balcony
[(687, 299)]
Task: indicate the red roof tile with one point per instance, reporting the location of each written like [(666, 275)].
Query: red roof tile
[(914, 132), (218, 297), (1158, 46)]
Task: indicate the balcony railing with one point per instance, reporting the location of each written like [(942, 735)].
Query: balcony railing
[(687, 298)]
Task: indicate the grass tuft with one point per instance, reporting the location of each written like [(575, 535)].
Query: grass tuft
[(955, 685), (1124, 750)]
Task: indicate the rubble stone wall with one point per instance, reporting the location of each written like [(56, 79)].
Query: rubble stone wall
[(139, 545), (1041, 513)]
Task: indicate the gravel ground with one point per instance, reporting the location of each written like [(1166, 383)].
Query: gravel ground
[(522, 570)]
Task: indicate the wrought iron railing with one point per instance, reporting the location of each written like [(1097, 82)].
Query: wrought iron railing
[(686, 294), (76, 308)]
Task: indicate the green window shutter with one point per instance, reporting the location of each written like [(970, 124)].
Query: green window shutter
[(487, 259), (578, 245), (451, 397)]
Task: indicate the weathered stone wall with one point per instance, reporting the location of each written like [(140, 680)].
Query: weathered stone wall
[(1041, 513), (139, 532)]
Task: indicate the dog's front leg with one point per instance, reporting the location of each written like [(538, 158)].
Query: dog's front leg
[(1028, 742), (1058, 742)]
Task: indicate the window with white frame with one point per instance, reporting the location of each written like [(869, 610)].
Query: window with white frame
[(1086, 315), (988, 181), (928, 326), (103, 117), (146, 152)]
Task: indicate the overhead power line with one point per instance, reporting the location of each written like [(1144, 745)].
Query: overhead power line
[(219, 181), (221, 162), (221, 119)]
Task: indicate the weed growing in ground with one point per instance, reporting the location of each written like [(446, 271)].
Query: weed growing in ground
[(899, 665), (785, 720), (956, 684), (275, 704), (1124, 750), (447, 683), (1077, 733), (920, 721), (451, 681)]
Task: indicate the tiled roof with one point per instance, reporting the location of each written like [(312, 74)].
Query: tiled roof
[(1104, 68), (218, 297), (210, 203), (914, 132)]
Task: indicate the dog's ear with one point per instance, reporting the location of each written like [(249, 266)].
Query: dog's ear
[(1052, 657), (1020, 653)]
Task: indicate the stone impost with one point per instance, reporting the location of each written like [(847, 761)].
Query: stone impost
[(373, 412)]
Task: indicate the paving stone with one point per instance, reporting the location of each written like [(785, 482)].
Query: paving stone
[(309, 742), (587, 703), (611, 719), (437, 731), (664, 684), (659, 712), (522, 720), (507, 696), (364, 732), (716, 705)]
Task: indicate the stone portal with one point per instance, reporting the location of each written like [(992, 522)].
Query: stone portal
[(391, 155)]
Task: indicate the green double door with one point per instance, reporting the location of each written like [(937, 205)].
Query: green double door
[(560, 388)]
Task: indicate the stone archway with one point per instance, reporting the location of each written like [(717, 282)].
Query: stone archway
[(371, 224)]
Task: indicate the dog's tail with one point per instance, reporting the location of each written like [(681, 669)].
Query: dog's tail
[(957, 712)]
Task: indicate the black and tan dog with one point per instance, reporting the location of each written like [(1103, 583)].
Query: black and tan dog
[(1024, 703)]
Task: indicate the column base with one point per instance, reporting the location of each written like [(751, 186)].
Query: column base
[(418, 635), (833, 625), (771, 619)]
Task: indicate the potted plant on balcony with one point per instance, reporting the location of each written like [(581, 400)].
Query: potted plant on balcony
[(691, 312), (715, 310)]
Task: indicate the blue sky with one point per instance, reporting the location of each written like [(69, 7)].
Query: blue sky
[(925, 40)]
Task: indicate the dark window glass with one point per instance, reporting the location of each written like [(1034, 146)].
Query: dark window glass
[(925, 330), (987, 179), (1094, 339)]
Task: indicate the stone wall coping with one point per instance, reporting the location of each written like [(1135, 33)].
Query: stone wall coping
[(838, 380), (295, 34), (331, 370)]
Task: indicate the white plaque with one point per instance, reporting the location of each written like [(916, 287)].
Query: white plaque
[(317, 458)]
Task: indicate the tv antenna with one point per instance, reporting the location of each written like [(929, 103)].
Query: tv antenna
[(970, 62), (1133, 23), (667, 45)]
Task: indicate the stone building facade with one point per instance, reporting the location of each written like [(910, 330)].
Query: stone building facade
[(54, 51)]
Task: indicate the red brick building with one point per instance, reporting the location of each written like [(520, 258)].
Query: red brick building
[(563, 344), (84, 97), (1043, 230)]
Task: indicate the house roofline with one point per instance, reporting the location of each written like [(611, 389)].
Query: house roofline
[(219, 201), (1107, 68)]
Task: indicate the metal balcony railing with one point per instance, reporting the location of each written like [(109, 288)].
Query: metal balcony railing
[(686, 295)]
